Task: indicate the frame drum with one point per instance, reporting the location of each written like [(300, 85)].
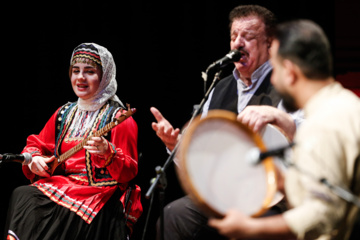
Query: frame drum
[(213, 169)]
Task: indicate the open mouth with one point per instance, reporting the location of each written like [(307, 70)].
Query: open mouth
[(244, 55), (243, 58), (82, 86)]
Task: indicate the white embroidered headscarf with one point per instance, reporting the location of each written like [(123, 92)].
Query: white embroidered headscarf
[(108, 85)]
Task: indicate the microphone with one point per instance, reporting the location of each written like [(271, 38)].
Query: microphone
[(254, 156), (233, 56), (24, 158)]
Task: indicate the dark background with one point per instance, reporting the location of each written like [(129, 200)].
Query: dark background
[(160, 50)]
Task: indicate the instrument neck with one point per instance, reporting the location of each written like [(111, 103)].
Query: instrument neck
[(80, 146)]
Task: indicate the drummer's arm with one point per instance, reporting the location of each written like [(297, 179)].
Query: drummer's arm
[(238, 225), (256, 117)]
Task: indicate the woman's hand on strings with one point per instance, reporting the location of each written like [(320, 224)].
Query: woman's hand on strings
[(39, 165)]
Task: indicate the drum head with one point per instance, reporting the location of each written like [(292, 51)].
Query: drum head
[(213, 169), (274, 138)]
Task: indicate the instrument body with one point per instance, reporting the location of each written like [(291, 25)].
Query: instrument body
[(214, 171)]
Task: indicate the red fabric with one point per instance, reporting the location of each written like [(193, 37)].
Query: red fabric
[(351, 81), (74, 190), (356, 91)]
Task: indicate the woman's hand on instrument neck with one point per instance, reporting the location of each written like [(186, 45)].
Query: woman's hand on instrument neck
[(39, 165), (164, 130)]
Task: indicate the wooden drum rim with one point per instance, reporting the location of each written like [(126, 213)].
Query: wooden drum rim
[(183, 174)]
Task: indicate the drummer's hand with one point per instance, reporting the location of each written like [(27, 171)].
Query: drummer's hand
[(233, 225), (39, 165), (256, 117), (239, 226), (164, 130)]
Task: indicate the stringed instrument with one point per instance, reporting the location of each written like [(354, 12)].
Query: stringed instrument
[(54, 165)]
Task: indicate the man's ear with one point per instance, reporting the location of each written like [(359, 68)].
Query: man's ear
[(292, 71)]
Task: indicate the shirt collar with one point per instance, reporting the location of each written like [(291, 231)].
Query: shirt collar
[(322, 95), (260, 72)]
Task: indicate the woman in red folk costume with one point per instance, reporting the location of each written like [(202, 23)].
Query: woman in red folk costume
[(89, 199)]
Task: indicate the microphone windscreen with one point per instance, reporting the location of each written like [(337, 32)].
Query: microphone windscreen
[(253, 156), (236, 55)]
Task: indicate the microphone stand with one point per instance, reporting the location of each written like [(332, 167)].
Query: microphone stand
[(160, 181)]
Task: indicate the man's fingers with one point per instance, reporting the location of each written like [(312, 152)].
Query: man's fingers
[(176, 132), (154, 126), (243, 119), (258, 126), (160, 129), (213, 222), (168, 131), (158, 116)]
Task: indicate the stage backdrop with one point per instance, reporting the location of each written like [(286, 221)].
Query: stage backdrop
[(160, 50)]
